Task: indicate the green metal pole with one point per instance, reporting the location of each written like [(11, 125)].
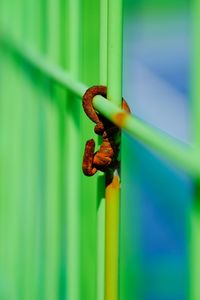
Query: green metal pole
[(101, 183), (3, 150), (195, 75), (194, 236), (89, 186), (194, 244), (20, 166), (32, 280), (52, 161), (73, 155), (5, 172), (11, 153), (103, 65), (115, 29), (114, 94)]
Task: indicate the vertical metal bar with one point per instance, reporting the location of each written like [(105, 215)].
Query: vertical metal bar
[(3, 16), (101, 183), (14, 146), (4, 171), (28, 280), (113, 189), (195, 76), (89, 192), (194, 242), (73, 156), (39, 155), (103, 41), (62, 101), (3, 147), (30, 195), (10, 201), (52, 163), (115, 51), (10, 176), (5, 154), (31, 277)]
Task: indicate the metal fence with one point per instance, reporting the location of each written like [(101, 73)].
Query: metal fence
[(55, 222)]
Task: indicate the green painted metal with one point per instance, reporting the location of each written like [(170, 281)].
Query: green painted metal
[(101, 184), (32, 258), (73, 157), (194, 221), (194, 245), (115, 51), (183, 155), (195, 74), (52, 160), (114, 94), (90, 200), (55, 227)]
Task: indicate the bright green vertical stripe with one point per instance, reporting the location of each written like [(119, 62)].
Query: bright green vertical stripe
[(52, 242), (3, 172), (115, 51), (101, 183), (89, 195), (51, 205), (14, 146), (114, 94), (103, 41), (31, 168), (195, 76), (73, 156), (8, 150), (194, 244), (31, 193), (194, 241), (8, 205), (52, 161)]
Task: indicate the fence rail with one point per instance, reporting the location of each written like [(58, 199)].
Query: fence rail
[(183, 155)]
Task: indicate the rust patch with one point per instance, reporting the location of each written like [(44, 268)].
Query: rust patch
[(120, 119), (115, 184), (112, 186)]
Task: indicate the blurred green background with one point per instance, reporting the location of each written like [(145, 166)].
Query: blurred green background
[(157, 59), (49, 212)]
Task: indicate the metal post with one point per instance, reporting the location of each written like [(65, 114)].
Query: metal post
[(101, 183), (113, 189), (28, 258), (73, 155), (89, 68), (52, 159), (194, 233)]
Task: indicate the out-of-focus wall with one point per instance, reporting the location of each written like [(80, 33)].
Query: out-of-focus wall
[(156, 197)]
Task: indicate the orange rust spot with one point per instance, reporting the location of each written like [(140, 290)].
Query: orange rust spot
[(120, 119), (112, 190), (115, 184)]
